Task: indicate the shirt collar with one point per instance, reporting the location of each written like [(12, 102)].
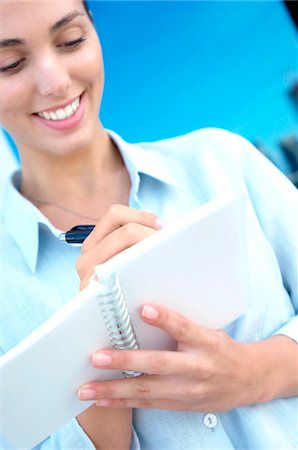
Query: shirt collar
[(22, 218), (138, 159)]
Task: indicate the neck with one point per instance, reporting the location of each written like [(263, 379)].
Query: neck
[(86, 182), (50, 176)]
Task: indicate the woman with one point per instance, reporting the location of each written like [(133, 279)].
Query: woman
[(74, 171)]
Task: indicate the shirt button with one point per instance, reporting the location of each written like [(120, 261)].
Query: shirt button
[(210, 421)]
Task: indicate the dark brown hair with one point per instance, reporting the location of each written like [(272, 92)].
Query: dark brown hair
[(87, 10)]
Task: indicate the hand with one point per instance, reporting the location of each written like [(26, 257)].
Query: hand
[(119, 229), (209, 371)]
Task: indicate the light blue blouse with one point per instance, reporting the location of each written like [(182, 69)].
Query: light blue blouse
[(170, 178)]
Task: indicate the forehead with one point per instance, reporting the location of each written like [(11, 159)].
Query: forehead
[(23, 17)]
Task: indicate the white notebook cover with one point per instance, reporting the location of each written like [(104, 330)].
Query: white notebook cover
[(196, 265)]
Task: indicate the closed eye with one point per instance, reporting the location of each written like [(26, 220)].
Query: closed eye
[(73, 44), (12, 67)]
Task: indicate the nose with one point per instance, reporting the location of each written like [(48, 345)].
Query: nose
[(52, 77)]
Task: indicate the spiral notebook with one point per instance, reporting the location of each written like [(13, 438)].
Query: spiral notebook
[(196, 265)]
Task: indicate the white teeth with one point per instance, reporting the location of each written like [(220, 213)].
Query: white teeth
[(75, 103), (47, 115), (53, 116), (62, 113), (68, 111)]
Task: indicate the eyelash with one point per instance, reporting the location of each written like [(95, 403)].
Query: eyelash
[(73, 44), (70, 45), (12, 67)]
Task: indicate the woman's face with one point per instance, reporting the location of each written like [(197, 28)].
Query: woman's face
[(51, 75)]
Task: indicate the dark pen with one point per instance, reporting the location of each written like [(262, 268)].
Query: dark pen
[(77, 234)]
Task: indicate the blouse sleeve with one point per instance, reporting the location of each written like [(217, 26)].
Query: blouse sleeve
[(72, 436)]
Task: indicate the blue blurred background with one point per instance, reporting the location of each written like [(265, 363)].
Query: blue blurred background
[(175, 66)]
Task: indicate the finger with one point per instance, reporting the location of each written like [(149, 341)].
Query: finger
[(151, 362), (86, 280), (111, 245), (182, 329), (116, 217), (147, 387), (174, 405)]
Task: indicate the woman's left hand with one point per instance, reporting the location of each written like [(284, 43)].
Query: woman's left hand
[(209, 371)]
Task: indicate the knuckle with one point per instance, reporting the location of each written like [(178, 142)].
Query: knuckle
[(214, 340), (207, 371), (114, 210), (144, 404), (183, 327), (121, 403), (204, 370), (124, 360), (106, 391), (194, 391), (158, 364), (142, 391), (196, 367)]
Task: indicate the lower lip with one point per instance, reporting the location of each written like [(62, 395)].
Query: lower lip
[(65, 124)]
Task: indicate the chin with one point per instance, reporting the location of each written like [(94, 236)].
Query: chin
[(70, 148)]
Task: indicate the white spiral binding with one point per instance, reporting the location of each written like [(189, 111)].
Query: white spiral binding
[(116, 316)]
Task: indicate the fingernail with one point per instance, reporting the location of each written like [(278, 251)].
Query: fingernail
[(101, 359), (160, 223), (87, 394), (148, 312)]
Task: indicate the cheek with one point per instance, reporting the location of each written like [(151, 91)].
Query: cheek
[(14, 101), (92, 68)]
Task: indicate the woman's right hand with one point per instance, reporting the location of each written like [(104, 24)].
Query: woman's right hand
[(120, 228)]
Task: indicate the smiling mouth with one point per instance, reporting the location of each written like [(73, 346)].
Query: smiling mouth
[(61, 113)]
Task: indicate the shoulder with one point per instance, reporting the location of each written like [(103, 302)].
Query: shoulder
[(197, 143), (188, 148), (190, 139), (202, 153), (207, 149)]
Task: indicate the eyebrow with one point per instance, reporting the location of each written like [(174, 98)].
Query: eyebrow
[(11, 42), (4, 43), (65, 20)]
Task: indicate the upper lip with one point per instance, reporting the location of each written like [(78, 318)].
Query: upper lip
[(54, 108)]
